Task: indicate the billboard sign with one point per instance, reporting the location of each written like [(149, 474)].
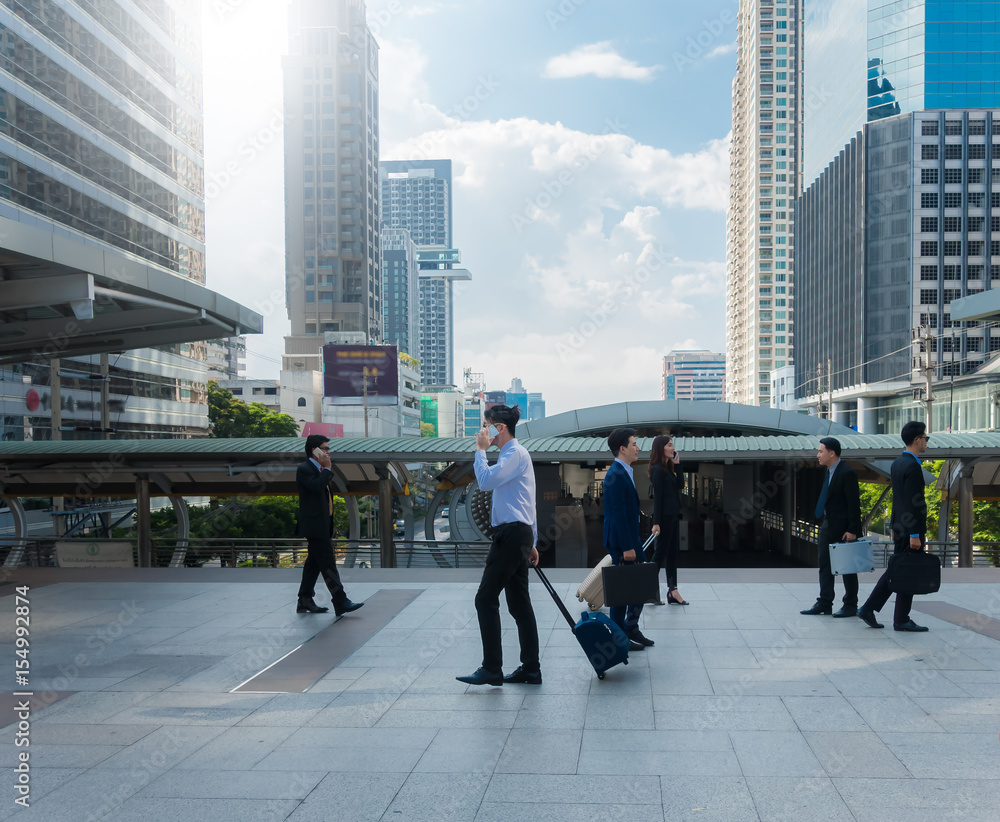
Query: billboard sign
[(352, 371)]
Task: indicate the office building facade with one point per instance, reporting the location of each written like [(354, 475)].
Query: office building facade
[(332, 248), (101, 154), (765, 178), (400, 291), (693, 375)]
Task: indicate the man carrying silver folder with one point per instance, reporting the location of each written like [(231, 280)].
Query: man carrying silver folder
[(839, 513)]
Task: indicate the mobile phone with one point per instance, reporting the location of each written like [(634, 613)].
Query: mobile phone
[(318, 454)]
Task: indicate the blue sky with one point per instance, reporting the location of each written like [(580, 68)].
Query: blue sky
[(590, 147)]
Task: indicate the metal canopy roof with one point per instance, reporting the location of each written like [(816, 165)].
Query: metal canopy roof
[(60, 296), (200, 467), (699, 414)]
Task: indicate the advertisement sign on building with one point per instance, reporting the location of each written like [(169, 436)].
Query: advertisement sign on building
[(352, 371)]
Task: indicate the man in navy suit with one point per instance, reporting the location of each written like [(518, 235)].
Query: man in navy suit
[(621, 525), (313, 477)]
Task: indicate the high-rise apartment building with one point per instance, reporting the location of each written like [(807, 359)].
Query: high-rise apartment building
[(102, 219), (694, 375), (765, 178), (332, 247), (416, 196), (400, 291)]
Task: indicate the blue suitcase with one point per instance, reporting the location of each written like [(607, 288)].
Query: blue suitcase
[(604, 643)]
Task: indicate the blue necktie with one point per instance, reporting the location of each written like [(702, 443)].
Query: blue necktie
[(821, 503)]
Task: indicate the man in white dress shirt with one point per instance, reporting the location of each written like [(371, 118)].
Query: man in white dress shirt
[(515, 533)]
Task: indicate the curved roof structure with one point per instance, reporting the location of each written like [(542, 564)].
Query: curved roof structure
[(681, 417)]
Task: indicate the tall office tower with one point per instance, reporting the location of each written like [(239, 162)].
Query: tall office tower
[(400, 291), (416, 195), (333, 254), (694, 375), (764, 180), (903, 215), (102, 218)]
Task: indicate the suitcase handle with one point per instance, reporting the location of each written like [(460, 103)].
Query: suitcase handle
[(555, 596)]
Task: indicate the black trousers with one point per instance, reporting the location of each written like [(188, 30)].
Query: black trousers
[(321, 561), (826, 592), (668, 545), (507, 570), (880, 593)]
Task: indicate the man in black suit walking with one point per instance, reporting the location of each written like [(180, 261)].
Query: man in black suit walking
[(839, 512), (313, 477), (909, 525)]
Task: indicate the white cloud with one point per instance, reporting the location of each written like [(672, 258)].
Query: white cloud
[(718, 51), (599, 59)]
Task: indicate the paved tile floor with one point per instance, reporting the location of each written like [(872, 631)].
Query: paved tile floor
[(744, 710)]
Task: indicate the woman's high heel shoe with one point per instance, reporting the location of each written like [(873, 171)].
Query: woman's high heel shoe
[(672, 601)]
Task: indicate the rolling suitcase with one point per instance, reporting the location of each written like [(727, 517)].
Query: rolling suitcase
[(852, 557), (591, 589), (914, 572), (604, 643)]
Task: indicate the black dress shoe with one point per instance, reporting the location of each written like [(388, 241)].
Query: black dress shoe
[(846, 611), (346, 607), (309, 606), (635, 646), (484, 677), (519, 675), (817, 609), (910, 626), (636, 636), (868, 615)]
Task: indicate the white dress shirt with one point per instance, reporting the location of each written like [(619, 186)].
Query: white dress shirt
[(512, 481)]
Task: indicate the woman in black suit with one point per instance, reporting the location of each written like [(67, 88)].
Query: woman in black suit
[(666, 482)]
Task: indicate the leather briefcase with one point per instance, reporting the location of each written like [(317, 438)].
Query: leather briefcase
[(914, 572), (631, 584)]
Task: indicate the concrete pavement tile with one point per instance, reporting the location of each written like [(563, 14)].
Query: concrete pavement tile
[(693, 681), (854, 754), (357, 738), (356, 710), (91, 734), (238, 748), (598, 789), (43, 781), (385, 681), (791, 799), (462, 750), (432, 797), (708, 799), (775, 753), (966, 723), (864, 681), (925, 682), (630, 681), (648, 741), (770, 682), (435, 681), (552, 711), (946, 756), (91, 795), (610, 712), (823, 713), (901, 713), (59, 756), (968, 705), (218, 810), (728, 721), (87, 708), (175, 708), (366, 760), (533, 750), (398, 718), (922, 800), (228, 784), (719, 638), (503, 812), (733, 657), (663, 763), (291, 710), (475, 699), (163, 749), (720, 703)]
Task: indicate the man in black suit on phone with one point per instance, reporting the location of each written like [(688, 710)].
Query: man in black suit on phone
[(313, 477), (909, 526), (839, 513)]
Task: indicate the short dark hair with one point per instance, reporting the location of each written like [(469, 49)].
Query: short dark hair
[(911, 431), (504, 415), (619, 438), (315, 441), (831, 444)]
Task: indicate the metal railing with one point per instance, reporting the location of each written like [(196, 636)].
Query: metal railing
[(265, 553)]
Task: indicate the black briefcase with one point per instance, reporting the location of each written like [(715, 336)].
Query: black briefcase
[(914, 572), (631, 584)]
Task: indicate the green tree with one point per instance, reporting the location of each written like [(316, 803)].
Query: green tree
[(427, 429), (231, 417)]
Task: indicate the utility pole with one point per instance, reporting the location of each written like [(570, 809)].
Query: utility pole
[(819, 388), (829, 388), (925, 338), (366, 372)]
